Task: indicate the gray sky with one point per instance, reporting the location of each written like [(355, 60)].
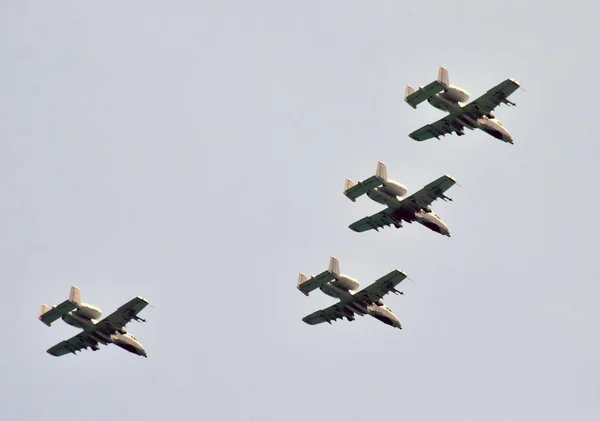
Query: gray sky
[(195, 153)]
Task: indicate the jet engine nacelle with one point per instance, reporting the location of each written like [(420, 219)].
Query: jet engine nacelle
[(347, 282), (394, 188), (390, 190), (456, 94), (89, 311)]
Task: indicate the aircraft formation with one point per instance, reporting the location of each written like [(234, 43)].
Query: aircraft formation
[(477, 114), (400, 208)]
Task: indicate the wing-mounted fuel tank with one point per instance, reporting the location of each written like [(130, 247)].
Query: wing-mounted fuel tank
[(390, 190)]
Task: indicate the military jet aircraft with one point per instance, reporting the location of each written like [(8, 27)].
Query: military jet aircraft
[(477, 114), (366, 301), (388, 192), (111, 329)]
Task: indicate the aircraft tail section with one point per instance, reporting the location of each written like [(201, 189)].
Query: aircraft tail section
[(75, 295), (348, 185), (415, 97), (306, 285), (443, 77), (381, 172), (355, 190), (49, 315), (334, 266)]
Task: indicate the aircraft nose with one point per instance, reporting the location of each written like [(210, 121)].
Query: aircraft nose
[(141, 351), (506, 136)]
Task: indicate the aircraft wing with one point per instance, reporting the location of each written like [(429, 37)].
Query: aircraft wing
[(379, 220), (123, 315), (442, 127), (428, 194), (331, 313), (76, 343), (492, 98), (366, 296), (379, 288)]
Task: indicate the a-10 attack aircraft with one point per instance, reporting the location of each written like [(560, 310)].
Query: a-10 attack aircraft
[(366, 301), (412, 208), (111, 329), (477, 114)]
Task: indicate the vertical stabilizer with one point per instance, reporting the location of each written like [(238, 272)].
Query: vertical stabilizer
[(408, 91), (44, 309), (334, 266), (348, 184), (302, 279), (443, 77), (381, 171), (75, 296)]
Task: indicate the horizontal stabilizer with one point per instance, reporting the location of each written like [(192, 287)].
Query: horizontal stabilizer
[(414, 98), (50, 315), (363, 187), (353, 191), (306, 285)]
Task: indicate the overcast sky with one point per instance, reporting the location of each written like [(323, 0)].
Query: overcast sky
[(194, 153)]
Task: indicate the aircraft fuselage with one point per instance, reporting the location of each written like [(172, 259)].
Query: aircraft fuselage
[(129, 343), (377, 310), (426, 217), (86, 318), (450, 102)]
